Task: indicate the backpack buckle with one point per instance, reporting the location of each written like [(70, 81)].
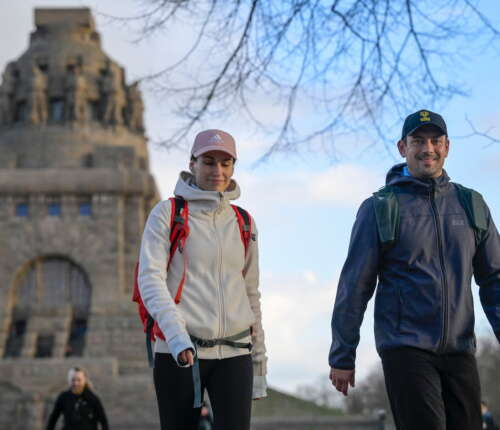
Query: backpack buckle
[(205, 343)]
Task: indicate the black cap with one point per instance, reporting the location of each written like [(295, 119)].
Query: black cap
[(420, 118)]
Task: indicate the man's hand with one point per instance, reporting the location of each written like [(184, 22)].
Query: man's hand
[(186, 357), (341, 379)]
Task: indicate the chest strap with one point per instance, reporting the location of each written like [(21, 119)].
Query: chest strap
[(210, 343)]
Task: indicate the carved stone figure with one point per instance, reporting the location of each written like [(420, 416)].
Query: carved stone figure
[(114, 97), (9, 80), (5, 109), (75, 89), (135, 108), (7, 93), (37, 97)]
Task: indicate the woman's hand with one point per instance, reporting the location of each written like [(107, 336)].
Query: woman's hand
[(186, 357)]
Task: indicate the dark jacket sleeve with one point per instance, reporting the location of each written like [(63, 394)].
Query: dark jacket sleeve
[(56, 412), (487, 274), (356, 285), (100, 414)]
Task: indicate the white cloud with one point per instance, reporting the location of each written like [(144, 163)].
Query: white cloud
[(345, 184), (296, 317)]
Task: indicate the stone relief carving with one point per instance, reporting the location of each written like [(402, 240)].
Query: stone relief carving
[(7, 91), (135, 108), (113, 96), (9, 80), (5, 109), (25, 97), (37, 96), (75, 90)]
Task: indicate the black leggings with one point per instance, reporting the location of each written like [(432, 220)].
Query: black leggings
[(228, 382), (432, 392)]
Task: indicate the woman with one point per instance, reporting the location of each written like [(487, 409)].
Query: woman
[(81, 408), (217, 319)]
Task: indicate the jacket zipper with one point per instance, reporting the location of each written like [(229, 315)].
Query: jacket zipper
[(221, 292), (444, 284), (400, 308)]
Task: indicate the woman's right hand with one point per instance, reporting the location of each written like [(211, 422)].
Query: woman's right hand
[(186, 357)]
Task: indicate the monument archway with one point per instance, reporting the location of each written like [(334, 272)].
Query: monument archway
[(50, 310)]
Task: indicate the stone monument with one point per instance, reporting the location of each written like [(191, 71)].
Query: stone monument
[(75, 190)]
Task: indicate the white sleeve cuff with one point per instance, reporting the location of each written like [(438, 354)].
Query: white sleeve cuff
[(259, 387), (178, 344)]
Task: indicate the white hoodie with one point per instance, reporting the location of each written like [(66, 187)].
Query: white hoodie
[(220, 297)]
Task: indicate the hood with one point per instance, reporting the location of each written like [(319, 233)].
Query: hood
[(395, 176), (186, 189)]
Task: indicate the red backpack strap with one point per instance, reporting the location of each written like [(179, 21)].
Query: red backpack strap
[(179, 231), (136, 294), (245, 225), (147, 320)]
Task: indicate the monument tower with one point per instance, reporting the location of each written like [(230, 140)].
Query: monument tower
[(75, 189)]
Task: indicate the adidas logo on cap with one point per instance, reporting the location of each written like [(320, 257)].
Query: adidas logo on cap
[(216, 139)]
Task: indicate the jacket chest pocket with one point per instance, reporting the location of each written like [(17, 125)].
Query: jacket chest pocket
[(458, 234)]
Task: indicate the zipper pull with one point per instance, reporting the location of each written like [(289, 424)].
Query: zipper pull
[(432, 191)]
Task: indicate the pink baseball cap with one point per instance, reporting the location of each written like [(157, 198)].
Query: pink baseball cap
[(213, 140)]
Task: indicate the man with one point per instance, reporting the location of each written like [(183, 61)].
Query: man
[(423, 237)]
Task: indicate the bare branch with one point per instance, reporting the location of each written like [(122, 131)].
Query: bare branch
[(483, 134), (352, 64)]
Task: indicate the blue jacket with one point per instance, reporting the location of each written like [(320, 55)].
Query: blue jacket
[(423, 297)]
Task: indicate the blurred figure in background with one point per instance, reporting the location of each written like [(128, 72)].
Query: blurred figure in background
[(488, 422), (80, 406)]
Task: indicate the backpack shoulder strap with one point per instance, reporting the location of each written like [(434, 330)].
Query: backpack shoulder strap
[(245, 225), (179, 231), (386, 205), (475, 208), (178, 222), (177, 204)]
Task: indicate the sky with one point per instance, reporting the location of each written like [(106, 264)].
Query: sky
[(304, 204)]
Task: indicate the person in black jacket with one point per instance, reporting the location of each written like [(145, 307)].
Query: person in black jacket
[(424, 316), (80, 406)]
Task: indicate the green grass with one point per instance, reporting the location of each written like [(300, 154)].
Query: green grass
[(280, 404)]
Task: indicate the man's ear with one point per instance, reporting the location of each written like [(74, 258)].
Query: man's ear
[(191, 164), (402, 147), (448, 143)]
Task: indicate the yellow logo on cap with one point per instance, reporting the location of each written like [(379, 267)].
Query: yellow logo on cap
[(424, 116)]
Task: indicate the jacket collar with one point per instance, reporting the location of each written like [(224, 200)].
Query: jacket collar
[(201, 199), (396, 176)]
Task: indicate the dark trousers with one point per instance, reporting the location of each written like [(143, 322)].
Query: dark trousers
[(228, 382), (432, 392)]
